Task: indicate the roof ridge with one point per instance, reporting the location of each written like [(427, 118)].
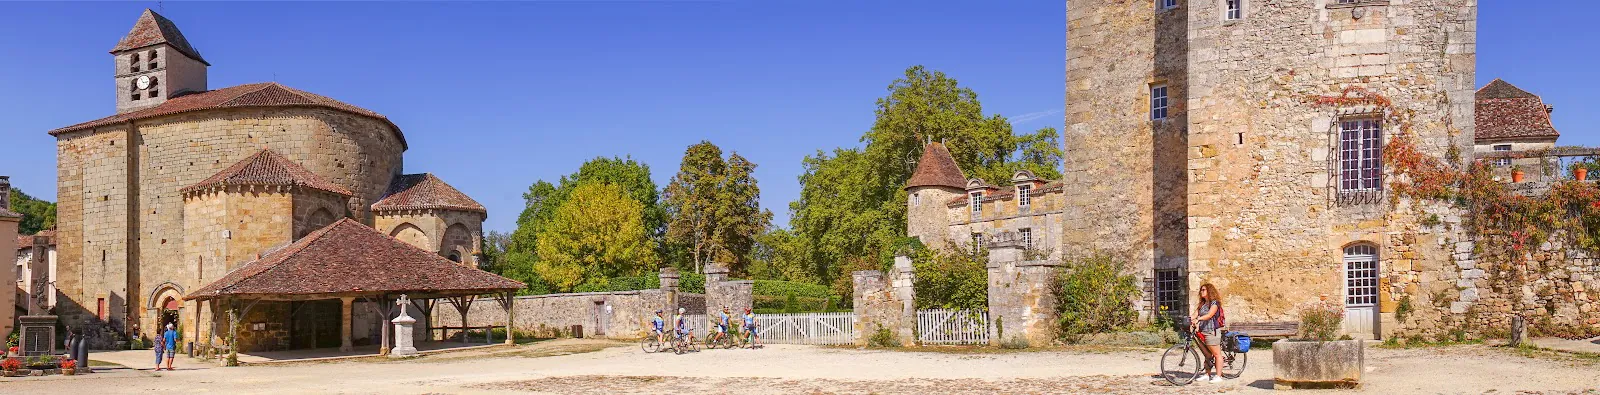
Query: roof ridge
[(272, 259)]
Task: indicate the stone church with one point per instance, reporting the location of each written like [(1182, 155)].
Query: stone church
[(184, 183)]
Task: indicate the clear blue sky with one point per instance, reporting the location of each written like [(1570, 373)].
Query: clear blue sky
[(493, 96)]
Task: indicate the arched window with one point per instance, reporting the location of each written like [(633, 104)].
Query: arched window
[(133, 63), (455, 257), (153, 55), (155, 86)]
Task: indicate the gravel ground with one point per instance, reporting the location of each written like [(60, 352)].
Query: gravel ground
[(595, 367)]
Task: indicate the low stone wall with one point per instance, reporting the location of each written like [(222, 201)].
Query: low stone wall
[(886, 302), (618, 315), (1021, 303)]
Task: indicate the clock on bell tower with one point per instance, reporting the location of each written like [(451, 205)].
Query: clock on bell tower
[(154, 63)]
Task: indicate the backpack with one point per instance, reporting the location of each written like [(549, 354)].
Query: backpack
[(1222, 317)]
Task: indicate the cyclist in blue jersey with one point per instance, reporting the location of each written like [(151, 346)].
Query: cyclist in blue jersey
[(750, 334), (722, 325), (683, 326), (658, 326)]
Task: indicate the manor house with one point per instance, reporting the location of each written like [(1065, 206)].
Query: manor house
[(186, 182)]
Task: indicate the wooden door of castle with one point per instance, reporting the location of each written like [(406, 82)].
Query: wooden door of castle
[(1361, 291)]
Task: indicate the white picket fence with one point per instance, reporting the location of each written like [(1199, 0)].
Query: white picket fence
[(807, 328), (940, 326)]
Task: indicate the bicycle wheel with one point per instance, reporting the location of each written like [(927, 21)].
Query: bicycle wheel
[(1233, 364), (1181, 364), (650, 345)]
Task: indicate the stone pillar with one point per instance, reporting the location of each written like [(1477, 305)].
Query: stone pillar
[(669, 286), (877, 307), (1022, 304), (902, 283), (345, 305), (403, 331), (720, 292), (716, 272)]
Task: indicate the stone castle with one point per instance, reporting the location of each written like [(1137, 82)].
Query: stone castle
[(1240, 143), (185, 183)]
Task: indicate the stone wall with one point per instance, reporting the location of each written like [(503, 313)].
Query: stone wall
[(623, 315), (1002, 214), (885, 303), (927, 214), (1021, 301), (444, 231), (122, 222)]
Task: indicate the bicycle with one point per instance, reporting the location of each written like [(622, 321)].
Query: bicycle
[(652, 344), (727, 340), (683, 343), (747, 339), (1181, 363)]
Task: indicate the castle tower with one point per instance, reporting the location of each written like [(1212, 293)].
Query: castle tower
[(155, 62), (936, 181)]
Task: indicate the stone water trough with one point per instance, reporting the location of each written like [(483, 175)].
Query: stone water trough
[(1317, 364)]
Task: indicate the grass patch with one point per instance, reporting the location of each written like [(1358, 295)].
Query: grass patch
[(1395, 343), (95, 363), (1531, 351)]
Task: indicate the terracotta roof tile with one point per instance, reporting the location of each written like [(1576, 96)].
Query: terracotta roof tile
[(937, 168), (350, 258), (26, 241), (265, 94), (267, 168), (422, 192), (1505, 112), (153, 29)]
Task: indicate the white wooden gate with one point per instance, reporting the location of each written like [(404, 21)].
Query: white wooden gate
[(940, 326), (1361, 291), (807, 328)]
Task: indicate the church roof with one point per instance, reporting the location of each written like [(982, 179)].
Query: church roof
[(1505, 112), (268, 168), (263, 94), (937, 168), (348, 258), (424, 191), (152, 29)]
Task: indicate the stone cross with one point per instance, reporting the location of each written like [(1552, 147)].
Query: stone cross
[(402, 331)]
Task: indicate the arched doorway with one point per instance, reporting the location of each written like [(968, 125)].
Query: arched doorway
[(169, 314)]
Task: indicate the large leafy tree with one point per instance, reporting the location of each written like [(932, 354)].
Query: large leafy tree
[(37, 215), (597, 233), (714, 207), (544, 199), (851, 212)]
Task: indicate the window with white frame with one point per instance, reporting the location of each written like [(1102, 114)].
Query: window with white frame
[(1360, 155), (1026, 234), (977, 241), (1502, 161), (1167, 4), (1234, 10), (1158, 102), (1023, 198), (975, 199), (916, 199), (1170, 290)]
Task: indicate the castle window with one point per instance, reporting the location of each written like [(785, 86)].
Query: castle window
[(1026, 234), (1360, 155), (977, 241), (1023, 200), (1158, 102), (1234, 11), (916, 199), (1502, 162), (1167, 4), (975, 199), (1170, 292)]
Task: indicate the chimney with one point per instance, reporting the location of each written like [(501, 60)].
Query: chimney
[(5, 192)]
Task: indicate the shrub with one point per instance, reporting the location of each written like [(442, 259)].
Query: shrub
[(1404, 309), (1321, 321), (951, 279), (11, 364), (883, 338), (1014, 343), (1095, 295)]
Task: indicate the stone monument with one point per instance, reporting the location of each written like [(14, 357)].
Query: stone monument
[(38, 328), (402, 331)]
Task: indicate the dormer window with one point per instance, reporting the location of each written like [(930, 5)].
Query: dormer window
[(1023, 200)]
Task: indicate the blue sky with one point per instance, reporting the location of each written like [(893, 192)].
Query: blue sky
[(493, 96)]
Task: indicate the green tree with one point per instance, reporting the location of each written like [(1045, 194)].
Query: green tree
[(851, 211), (37, 215), (597, 233), (950, 279), (714, 207), (544, 199)]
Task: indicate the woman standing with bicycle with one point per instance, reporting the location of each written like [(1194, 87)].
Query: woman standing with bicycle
[(1207, 328)]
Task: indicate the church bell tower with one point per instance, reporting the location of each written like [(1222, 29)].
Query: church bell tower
[(155, 62)]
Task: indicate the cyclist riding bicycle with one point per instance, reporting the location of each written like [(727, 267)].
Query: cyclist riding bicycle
[(1208, 330), (750, 327), (658, 326), (683, 326), (722, 326)]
